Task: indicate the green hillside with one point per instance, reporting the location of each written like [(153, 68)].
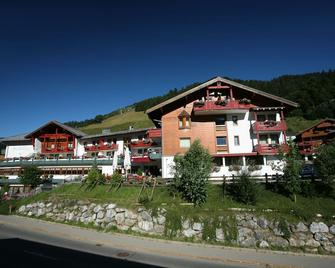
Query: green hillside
[(120, 121)]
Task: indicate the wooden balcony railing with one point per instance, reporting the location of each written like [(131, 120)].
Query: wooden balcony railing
[(210, 105), (269, 126), (140, 158), (48, 148), (154, 133), (270, 149), (101, 147), (141, 144)]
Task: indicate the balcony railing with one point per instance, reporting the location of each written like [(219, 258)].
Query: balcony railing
[(140, 158), (269, 126), (141, 144), (154, 133), (309, 143), (270, 149), (308, 147), (211, 105), (101, 147), (56, 149)]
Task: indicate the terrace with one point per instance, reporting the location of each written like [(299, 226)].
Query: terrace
[(19, 162)]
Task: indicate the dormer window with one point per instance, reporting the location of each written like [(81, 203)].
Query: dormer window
[(184, 120)]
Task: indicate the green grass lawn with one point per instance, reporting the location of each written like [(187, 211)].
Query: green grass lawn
[(297, 124), (303, 209)]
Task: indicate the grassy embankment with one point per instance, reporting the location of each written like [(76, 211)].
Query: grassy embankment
[(281, 206)]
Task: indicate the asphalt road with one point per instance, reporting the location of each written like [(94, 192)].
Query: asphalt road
[(26, 242)]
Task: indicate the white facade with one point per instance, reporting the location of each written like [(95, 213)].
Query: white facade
[(239, 131), (167, 166), (241, 140), (13, 151)]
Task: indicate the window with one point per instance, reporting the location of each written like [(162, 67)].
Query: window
[(221, 121), (254, 160), (221, 140), (272, 117), (236, 140), (184, 120), (235, 119), (234, 160), (261, 117), (217, 161), (263, 139), (274, 139), (185, 143)]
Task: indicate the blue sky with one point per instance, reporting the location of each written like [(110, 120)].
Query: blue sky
[(72, 60)]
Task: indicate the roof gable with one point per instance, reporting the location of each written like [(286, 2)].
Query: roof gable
[(72, 130), (228, 82), (317, 124)]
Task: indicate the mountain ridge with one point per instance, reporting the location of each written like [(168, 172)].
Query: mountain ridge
[(315, 92)]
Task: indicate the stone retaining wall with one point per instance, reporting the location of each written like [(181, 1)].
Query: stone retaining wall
[(241, 229)]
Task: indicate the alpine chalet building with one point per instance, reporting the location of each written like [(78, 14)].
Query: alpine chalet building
[(242, 127)]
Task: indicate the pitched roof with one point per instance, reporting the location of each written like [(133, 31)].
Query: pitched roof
[(123, 132), (229, 82), (19, 137), (318, 123), (72, 130)]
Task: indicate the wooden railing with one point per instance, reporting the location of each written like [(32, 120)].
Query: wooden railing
[(269, 126)]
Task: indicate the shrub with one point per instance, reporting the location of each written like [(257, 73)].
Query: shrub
[(192, 172), (31, 176), (308, 189), (116, 177), (325, 167), (284, 228), (244, 190), (94, 177), (292, 170)]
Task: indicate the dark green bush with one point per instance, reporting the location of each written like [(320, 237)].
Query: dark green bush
[(245, 190), (31, 176)]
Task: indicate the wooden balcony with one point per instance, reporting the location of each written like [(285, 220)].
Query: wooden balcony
[(101, 147), (141, 144), (154, 133), (140, 159), (269, 126), (56, 149), (213, 107), (270, 149), (310, 143), (308, 147)]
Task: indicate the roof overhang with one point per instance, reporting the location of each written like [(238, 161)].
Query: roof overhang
[(71, 130), (280, 100)]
